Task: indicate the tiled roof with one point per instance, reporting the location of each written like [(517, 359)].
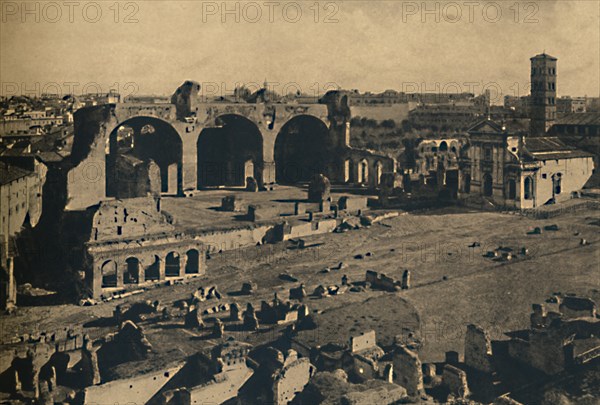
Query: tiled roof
[(9, 173), (590, 118), (551, 147), (543, 56)]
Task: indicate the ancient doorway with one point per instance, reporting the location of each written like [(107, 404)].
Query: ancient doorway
[(363, 172), (487, 185), (152, 272), (347, 171), (132, 271), (109, 274), (172, 265), (378, 173), (192, 265), (512, 189)]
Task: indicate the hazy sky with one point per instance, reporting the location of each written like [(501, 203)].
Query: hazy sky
[(372, 46)]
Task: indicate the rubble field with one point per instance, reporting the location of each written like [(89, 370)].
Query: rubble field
[(454, 282)]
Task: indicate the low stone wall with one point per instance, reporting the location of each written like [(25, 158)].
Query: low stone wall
[(352, 204)]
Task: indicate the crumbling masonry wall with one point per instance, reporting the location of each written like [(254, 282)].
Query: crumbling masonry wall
[(408, 370), (478, 349), (86, 177)]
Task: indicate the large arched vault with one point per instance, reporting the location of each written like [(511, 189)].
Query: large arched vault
[(230, 152), (144, 139), (303, 148)]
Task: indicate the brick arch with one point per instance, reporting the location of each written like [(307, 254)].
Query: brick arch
[(302, 149), (109, 272), (163, 145), (193, 261), (151, 271), (229, 152), (132, 270), (173, 264)]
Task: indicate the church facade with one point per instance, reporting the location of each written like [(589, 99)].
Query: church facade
[(511, 170)]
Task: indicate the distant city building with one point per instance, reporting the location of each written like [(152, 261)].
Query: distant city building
[(520, 105), (21, 182), (567, 105), (396, 97)]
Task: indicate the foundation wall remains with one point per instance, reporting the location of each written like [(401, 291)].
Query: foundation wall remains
[(136, 390), (292, 379), (478, 349), (408, 370)]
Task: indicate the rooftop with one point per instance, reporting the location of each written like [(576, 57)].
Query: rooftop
[(543, 55), (551, 147), (590, 118), (9, 173)]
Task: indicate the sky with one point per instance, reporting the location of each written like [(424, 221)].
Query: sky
[(152, 46)]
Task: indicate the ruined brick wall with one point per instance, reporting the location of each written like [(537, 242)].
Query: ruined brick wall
[(456, 380), (185, 98), (136, 178), (362, 342), (291, 380), (478, 349), (407, 370), (86, 178), (136, 390), (544, 351), (121, 219), (575, 307)]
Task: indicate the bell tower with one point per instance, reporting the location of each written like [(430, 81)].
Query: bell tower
[(543, 94)]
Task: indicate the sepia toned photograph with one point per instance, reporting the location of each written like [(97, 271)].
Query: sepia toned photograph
[(299, 202)]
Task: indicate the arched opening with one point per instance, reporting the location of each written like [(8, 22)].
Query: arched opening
[(229, 153), (109, 274), (378, 173), (443, 146), (487, 185), (556, 183), (192, 265), (452, 182), (512, 189), (363, 172), (467, 183), (125, 141), (144, 139), (172, 265), (348, 171), (60, 362), (152, 272), (302, 150), (132, 271), (528, 188)]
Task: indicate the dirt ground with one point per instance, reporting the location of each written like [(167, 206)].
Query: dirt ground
[(452, 283)]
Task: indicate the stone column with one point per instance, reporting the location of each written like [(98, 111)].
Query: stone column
[(268, 173), (182, 264), (95, 279), (120, 273), (162, 269)]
